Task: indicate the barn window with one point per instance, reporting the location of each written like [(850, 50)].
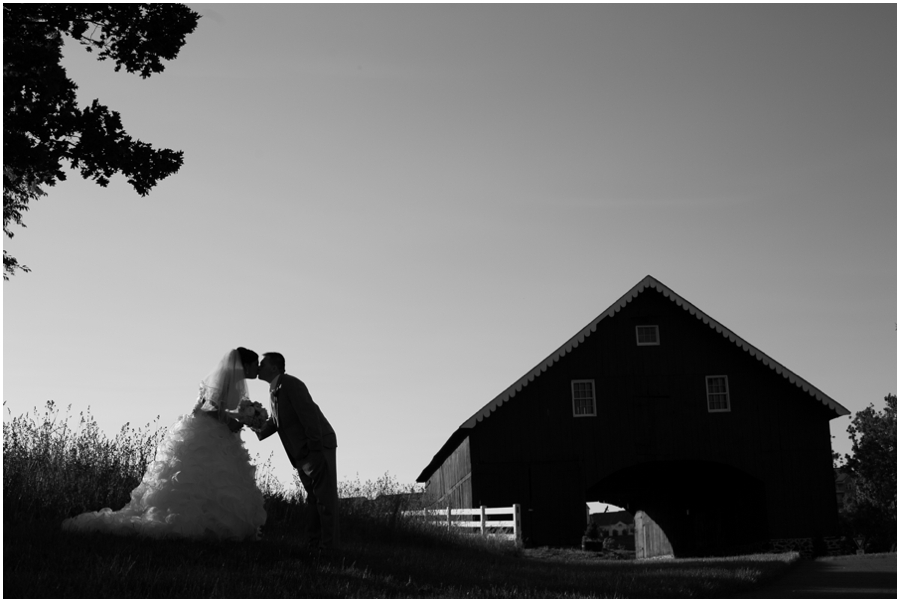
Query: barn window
[(583, 401), (647, 335), (717, 394)]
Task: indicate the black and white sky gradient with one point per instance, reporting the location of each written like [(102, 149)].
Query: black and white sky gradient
[(416, 204)]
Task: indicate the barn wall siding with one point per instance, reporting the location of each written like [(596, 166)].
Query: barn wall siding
[(452, 482)]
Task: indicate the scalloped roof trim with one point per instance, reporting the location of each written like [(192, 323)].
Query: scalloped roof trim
[(651, 282)]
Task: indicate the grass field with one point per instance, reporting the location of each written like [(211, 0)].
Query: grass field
[(52, 471), (41, 561)]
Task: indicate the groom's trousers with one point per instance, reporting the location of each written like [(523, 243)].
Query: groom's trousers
[(318, 473)]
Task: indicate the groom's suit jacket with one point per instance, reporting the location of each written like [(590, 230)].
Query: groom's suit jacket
[(298, 421)]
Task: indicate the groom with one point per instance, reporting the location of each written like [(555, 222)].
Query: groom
[(310, 443)]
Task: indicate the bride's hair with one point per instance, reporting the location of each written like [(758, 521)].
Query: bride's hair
[(276, 358), (247, 355)]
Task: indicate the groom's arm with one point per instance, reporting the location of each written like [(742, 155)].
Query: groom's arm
[(267, 429), (233, 425)]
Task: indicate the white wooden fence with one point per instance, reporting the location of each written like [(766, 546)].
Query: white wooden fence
[(477, 518)]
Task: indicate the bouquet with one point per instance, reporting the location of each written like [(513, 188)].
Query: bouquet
[(250, 413)]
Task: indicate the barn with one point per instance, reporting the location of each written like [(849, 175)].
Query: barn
[(657, 408)]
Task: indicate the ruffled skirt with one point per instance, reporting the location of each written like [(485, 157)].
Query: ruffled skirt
[(201, 485)]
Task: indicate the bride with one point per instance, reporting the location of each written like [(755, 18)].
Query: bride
[(201, 484)]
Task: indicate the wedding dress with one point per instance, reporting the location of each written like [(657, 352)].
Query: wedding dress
[(201, 483)]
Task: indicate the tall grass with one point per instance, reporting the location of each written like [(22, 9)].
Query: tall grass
[(52, 471)]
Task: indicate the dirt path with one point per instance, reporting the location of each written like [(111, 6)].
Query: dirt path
[(869, 576)]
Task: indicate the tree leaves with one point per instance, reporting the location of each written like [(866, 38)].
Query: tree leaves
[(870, 506), (874, 461), (43, 125)]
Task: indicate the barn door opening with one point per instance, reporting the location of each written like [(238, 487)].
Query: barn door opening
[(555, 513), (614, 525), (689, 508)]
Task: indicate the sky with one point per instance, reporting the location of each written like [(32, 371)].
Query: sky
[(416, 204)]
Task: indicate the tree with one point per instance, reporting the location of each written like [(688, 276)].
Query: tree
[(870, 505), (42, 124)]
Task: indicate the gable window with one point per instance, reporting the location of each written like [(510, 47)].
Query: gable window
[(583, 401), (647, 335), (717, 399)]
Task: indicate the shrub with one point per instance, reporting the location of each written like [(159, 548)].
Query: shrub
[(375, 508)]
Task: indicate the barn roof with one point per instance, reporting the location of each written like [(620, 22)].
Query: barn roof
[(649, 282)]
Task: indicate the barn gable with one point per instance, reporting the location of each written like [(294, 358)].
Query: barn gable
[(649, 283)]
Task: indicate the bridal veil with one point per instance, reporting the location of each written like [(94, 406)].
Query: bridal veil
[(225, 386)]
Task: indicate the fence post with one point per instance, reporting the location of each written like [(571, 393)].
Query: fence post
[(517, 524), (483, 520), (449, 523)]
